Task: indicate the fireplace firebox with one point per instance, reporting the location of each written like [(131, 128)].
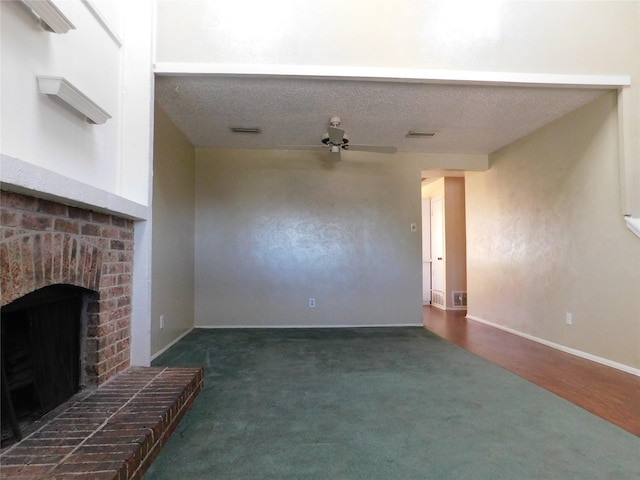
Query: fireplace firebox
[(40, 354)]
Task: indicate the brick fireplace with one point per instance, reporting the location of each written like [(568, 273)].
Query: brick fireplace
[(116, 427), (45, 243)]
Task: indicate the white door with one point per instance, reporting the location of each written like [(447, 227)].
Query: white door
[(426, 251), (437, 252)]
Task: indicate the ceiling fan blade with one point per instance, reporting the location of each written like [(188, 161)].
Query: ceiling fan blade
[(302, 147), (372, 148), (336, 135)]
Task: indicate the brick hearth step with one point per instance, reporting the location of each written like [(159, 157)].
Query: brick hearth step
[(112, 432)]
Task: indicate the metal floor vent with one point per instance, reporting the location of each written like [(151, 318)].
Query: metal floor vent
[(437, 298), (459, 299)]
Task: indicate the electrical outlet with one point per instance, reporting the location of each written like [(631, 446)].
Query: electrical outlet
[(569, 318), (312, 303), (161, 322)]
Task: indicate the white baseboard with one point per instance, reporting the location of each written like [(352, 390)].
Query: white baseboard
[(448, 309), (376, 325), (167, 347), (557, 346)]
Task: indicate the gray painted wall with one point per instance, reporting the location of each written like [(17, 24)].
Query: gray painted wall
[(545, 238), (172, 226), (274, 229)]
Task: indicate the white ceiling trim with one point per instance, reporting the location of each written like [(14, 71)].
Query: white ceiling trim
[(91, 6), (453, 77)]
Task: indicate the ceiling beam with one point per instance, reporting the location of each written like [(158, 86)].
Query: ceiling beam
[(449, 77)]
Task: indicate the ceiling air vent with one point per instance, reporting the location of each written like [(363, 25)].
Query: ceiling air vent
[(245, 129), (418, 134)]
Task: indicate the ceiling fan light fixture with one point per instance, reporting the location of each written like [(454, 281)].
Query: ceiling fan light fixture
[(419, 134), (246, 129)]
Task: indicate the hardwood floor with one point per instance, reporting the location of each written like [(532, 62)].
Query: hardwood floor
[(604, 391)]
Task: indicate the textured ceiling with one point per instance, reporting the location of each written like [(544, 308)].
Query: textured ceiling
[(295, 111)]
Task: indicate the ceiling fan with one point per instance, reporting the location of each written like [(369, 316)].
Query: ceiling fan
[(336, 140)]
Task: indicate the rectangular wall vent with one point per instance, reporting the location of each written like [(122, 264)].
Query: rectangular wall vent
[(437, 298), (459, 299)]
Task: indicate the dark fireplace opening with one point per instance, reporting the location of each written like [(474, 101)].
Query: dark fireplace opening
[(41, 355)]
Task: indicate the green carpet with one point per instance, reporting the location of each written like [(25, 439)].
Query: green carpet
[(376, 403)]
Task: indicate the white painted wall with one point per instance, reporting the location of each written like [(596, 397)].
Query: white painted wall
[(36, 129)]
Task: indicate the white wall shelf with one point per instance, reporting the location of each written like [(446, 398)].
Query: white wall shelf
[(633, 224), (61, 88), (51, 18)]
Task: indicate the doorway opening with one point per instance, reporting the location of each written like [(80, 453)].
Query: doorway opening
[(444, 268)]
